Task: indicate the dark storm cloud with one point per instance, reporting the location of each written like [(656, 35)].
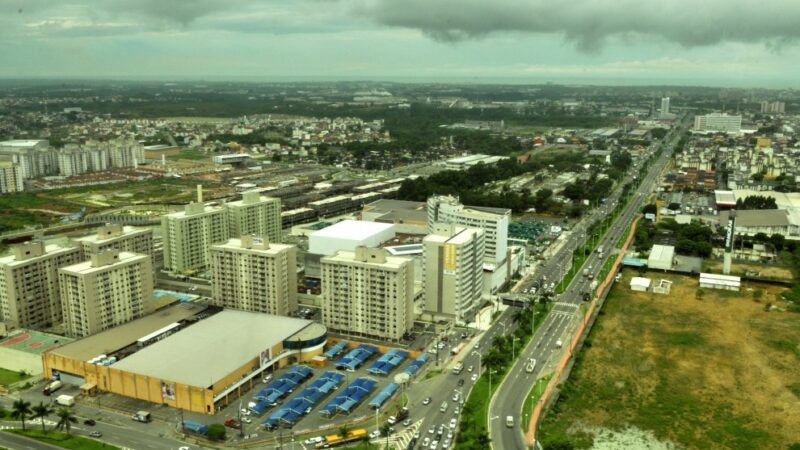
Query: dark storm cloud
[(588, 23)]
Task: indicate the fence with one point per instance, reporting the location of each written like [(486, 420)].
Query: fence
[(576, 338)]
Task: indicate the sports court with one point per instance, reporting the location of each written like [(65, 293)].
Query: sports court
[(33, 341)]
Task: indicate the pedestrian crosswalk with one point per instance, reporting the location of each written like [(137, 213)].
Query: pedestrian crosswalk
[(400, 440)]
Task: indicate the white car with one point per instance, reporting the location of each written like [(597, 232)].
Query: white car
[(434, 444), (453, 423), (375, 434), (267, 378), (469, 369), (426, 442), (474, 376), (247, 420), (392, 420), (559, 343), (314, 440)]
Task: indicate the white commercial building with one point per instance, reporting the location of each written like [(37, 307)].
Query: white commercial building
[(718, 122), (661, 257), (110, 289), (255, 215), (189, 234), (347, 235), (29, 295), (253, 274), (453, 271), (368, 293)]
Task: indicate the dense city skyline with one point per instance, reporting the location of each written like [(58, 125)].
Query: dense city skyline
[(737, 44)]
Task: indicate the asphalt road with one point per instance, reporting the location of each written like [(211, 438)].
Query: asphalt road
[(12, 441), (562, 321)]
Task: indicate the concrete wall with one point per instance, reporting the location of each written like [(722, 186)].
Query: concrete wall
[(16, 360)]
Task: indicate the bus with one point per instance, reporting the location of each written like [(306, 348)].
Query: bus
[(334, 440)]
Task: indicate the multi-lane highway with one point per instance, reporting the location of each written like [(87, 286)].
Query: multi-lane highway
[(562, 320)]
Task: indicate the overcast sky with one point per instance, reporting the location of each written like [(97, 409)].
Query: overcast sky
[(709, 42)]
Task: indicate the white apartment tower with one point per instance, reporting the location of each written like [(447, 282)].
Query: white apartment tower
[(189, 234), (368, 293), (253, 274), (453, 271), (29, 295), (110, 289), (493, 221), (255, 215), (664, 106), (118, 237)]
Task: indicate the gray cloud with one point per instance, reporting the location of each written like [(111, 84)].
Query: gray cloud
[(588, 23)]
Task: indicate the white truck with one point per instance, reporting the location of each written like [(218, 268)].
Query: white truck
[(52, 387), (65, 400)]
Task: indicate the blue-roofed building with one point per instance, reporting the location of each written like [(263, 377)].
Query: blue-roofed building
[(417, 364), (383, 395), (356, 357), (336, 349), (388, 362), (302, 403), (350, 397)]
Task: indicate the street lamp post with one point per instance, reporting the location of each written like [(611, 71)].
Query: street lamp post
[(513, 348), (490, 384)]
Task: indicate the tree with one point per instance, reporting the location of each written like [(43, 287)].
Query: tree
[(41, 411), (65, 419), (699, 294), (216, 432), (343, 430), (386, 431), (777, 241), (20, 410)]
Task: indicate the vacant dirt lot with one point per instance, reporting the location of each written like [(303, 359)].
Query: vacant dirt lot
[(715, 372)]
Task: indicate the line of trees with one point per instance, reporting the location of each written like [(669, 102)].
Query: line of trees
[(22, 410), (756, 202)]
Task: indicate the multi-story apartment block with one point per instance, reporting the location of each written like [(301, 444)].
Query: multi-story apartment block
[(29, 295), (368, 293), (35, 157), (253, 274), (718, 122), (10, 177), (110, 289), (453, 271), (189, 234), (494, 223), (118, 237), (255, 215)]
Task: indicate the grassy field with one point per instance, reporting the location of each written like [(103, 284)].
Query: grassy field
[(533, 397), (64, 441), (716, 372), (8, 377)]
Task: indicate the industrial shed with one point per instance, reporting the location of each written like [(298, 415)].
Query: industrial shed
[(715, 281), (661, 257)]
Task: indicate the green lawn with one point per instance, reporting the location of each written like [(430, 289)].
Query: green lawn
[(533, 397), (8, 377), (64, 441)]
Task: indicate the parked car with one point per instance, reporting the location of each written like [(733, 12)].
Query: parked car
[(407, 422), (392, 420), (89, 422)]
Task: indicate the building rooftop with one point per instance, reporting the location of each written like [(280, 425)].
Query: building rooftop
[(392, 262), (352, 230), (209, 350), (236, 244), (110, 341), (94, 238), (50, 250), (662, 253), (21, 143), (388, 205), (757, 218), (86, 267)]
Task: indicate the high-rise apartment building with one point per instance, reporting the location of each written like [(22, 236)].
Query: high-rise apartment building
[(110, 289), (29, 294), (493, 221), (720, 122), (453, 271), (188, 234), (664, 106), (34, 157), (368, 293), (118, 237), (10, 177), (255, 215), (254, 274)]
